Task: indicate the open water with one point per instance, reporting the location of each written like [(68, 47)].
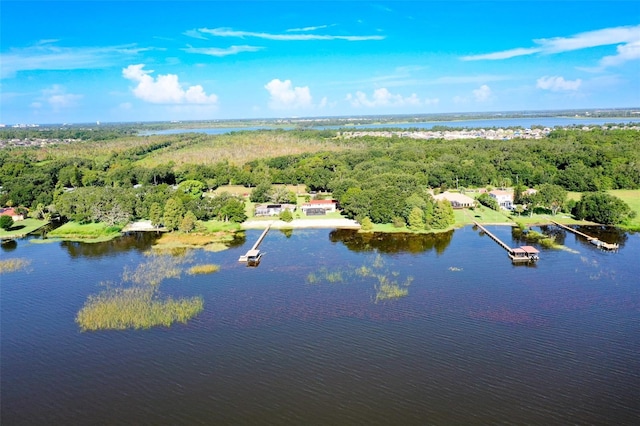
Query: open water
[(523, 122), (302, 340)]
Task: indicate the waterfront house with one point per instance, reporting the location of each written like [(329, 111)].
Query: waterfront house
[(504, 198), (10, 211), (311, 207), (457, 200), (273, 209)]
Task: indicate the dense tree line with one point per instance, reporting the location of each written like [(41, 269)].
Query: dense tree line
[(383, 179)]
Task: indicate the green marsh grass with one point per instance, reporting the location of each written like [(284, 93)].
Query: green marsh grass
[(135, 307), (156, 269), (136, 302), (389, 290), (387, 287), (13, 265), (89, 232), (203, 269)]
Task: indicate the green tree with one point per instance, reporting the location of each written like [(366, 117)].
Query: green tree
[(286, 216), (487, 200), (443, 216), (260, 193), (6, 222), (416, 219), (188, 222), (173, 213), (602, 208), (551, 196), (366, 224), (233, 210), (155, 214), (192, 187)]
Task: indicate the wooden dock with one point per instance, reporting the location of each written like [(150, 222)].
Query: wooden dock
[(518, 255), (593, 240), (253, 256)]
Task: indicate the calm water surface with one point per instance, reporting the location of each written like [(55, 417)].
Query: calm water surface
[(301, 340), (523, 122)]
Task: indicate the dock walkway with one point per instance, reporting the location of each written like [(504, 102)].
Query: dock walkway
[(593, 240), (517, 255), (254, 254)]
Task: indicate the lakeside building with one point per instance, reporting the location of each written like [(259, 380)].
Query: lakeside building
[(312, 207), (10, 211), (273, 209), (504, 198), (457, 200)]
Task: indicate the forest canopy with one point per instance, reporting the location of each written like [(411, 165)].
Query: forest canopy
[(382, 178)]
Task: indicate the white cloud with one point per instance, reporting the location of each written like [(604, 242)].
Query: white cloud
[(627, 37), (57, 97), (228, 32), (482, 94), (505, 54), (46, 56), (165, 89), (626, 52), (194, 34), (285, 96), (306, 29), (382, 97), (557, 84), (216, 51)]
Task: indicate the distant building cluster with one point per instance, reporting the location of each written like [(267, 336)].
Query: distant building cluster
[(31, 142), (493, 134)]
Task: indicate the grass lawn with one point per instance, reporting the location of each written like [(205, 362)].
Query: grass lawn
[(89, 232), (481, 215), (22, 228), (218, 226), (632, 198)]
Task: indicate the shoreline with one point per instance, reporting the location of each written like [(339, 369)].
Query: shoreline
[(301, 224)]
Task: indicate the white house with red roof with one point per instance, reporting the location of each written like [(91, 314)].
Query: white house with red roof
[(314, 207), (10, 211)]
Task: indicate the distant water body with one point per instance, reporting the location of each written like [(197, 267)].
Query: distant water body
[(523, 122)]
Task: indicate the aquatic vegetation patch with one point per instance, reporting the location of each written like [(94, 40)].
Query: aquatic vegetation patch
[(211, 241), (387, 286), (388, 290), (135, 307), (156, 269), (203, 269), (140, 304), (13, 265)]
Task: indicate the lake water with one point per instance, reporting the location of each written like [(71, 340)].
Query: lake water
[(301, 339), (523, 122)]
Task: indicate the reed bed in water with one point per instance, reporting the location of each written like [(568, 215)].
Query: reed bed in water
[(387, 288), (140, 305), (13, 265), (203, 269), (135, 307)]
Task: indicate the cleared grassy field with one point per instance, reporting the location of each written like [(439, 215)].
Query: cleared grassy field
[(238, 148), (90, 232), (22, 228)]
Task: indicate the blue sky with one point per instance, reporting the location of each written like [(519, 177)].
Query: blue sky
[(87, 61)]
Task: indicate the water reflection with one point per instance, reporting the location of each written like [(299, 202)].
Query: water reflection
[(392, 243), (9, 245), (140, 241)]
